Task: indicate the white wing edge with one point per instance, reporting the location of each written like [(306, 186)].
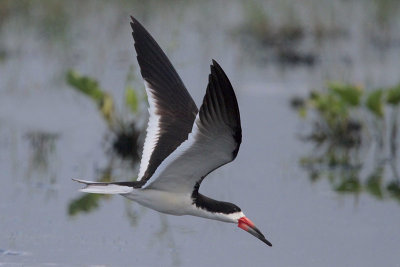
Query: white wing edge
[(152, 135), (182, 148)]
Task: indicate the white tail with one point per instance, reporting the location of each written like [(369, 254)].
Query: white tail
[(103, 188)]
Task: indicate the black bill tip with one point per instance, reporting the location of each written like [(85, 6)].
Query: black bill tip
[(247, 225)]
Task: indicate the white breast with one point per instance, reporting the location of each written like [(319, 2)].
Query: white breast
[(162, 201)]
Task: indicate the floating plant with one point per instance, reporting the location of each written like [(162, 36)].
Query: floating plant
[(347, 121), (125, 141)]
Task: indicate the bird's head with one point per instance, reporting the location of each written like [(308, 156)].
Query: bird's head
[(226, 212), (247, 225)]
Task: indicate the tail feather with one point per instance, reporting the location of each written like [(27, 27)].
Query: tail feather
[(103, 188)]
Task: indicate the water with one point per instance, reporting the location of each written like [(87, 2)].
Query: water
[(50, 133)]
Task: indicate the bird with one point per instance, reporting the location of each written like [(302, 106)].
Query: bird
[(183, 144)]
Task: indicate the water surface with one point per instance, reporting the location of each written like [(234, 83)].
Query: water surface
[(50, 133)]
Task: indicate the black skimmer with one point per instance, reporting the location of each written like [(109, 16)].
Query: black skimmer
[(183, 144)]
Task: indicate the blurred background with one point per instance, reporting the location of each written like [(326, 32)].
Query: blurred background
[(318, 86)]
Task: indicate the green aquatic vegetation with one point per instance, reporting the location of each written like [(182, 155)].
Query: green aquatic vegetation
[(90, 202), (374, 183), (340, 111), (257, 21), (393, 101), (394, 189), (349, 185), (375, 102), (125, 141), (50, 19), (346, 121), (393, 95), (86, 203), (131, 99), (333, 108), (348, 93), (385, 12), (259, 26), (126, 134), (259, 29), (85, 85), (90, 87)]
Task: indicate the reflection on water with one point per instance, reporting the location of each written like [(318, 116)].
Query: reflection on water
[(6, 252), (164, 235), (89, 202), (92, 126), (343, 169), (347, 126), (282, 41), (43, 147), (41, 171), (125, 140)]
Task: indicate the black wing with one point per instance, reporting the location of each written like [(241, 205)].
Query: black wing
[(172, 109), (213, 142)]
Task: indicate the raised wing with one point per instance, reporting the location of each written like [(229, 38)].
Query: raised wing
[(213, 142), (172, 110)]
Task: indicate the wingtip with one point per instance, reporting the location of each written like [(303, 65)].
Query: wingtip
[(134, 23), (215, 67), (214, 63), (79, 181)]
